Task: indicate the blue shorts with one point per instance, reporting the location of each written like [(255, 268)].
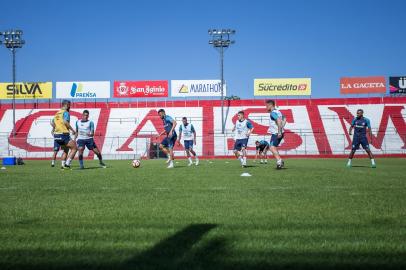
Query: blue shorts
[(169, 142), (61, 140), (275, 141), (188, 144), (360, 140), (89, 143), (240, 143), (263, 148)]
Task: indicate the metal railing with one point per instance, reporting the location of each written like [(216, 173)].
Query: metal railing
[(214, 144)]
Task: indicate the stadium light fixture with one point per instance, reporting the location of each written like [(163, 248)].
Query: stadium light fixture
[(221, 40), (12, 40)]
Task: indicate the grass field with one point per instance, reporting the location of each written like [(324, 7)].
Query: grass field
[(315, 214)]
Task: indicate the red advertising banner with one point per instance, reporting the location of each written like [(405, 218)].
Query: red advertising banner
[(140, 89), (363, 85)]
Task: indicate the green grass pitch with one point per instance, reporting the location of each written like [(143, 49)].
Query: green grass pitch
[(316, 214)]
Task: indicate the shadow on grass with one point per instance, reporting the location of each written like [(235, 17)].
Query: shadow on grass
[(250, 166), (89, 168), (172, 252), (188, 249)]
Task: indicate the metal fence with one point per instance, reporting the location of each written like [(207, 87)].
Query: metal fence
[(219, 144)]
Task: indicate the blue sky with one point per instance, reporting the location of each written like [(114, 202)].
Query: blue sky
[(141, 40)]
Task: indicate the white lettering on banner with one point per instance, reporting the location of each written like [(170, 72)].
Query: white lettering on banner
[(147, 90), (362, 85)]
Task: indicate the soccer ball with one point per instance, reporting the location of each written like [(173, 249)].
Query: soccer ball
[(136, 163)]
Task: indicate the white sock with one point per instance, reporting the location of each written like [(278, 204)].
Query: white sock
[(279, 161), (53, 162), (349, 162), (68, 161), (373, 161), (190, 160), (63, 163), (244, 159)]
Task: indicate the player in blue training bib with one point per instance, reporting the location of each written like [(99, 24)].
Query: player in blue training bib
[(361, 126), (169, 141), (277, 123), (243, 129), (84, 136), (188, 133), (262, 148)]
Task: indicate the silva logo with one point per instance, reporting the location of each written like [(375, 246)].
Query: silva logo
[(77, 92), (184, 89), (24, 89), (122, 89)]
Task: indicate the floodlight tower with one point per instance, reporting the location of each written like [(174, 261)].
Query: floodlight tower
[(221, 40), (12, 40)]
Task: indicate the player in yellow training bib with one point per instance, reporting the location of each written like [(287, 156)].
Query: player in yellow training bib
[(61, 129)]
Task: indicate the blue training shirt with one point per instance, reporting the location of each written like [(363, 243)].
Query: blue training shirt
[(66, 116), (360, 126), (265, 143), (167, 121)]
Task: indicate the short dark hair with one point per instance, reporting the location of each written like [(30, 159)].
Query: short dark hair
[(184, 118), (86, 111), (270, 101), (256, 142), (241, 112), (65, 102), (161, 110), (360, 110)]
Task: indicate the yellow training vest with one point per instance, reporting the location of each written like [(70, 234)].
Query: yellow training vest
[(60, 127)]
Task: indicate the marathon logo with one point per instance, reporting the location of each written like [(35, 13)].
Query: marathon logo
[(205, 88)]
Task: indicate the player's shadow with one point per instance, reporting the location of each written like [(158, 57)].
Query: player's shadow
[(179, 166), (190, 249), (89, 168), (361, 166), (176, 251), (251, 166)]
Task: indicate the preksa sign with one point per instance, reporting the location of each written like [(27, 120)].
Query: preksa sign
[(92, 90), (283, 87), (26, 90), (363, 85), (197, 88), (140, 89)]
